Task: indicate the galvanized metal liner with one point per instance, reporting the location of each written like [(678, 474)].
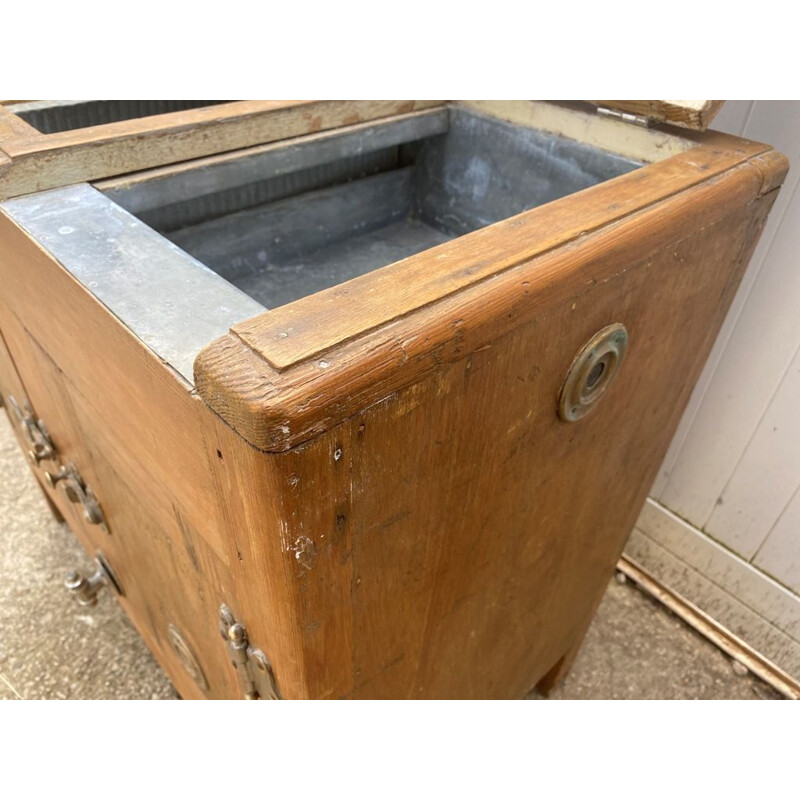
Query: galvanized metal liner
[(289, 236), (486, 170), (176, 216), (174, 304)]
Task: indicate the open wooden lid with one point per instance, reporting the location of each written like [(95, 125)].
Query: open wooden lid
[(695, 114)]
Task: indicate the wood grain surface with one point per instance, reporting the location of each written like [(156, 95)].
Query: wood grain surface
[(454, 539), (134, 431), (277, 408), (35, 161), (394, 508), (302, 330)]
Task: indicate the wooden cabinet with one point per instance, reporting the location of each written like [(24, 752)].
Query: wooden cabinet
[(391, 393)]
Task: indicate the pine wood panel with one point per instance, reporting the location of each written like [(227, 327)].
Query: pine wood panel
[(453, 540), (121, 376), (45, 399), (415, 537), (10, 383), (427, 526), (278, 409), (311, 325), (168, 542), (168, 574)]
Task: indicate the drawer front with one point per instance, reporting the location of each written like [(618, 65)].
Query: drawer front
[(59, 460), (12, 393), (170, 581)]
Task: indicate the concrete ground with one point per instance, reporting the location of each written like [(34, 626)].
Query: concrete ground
[(52, 648)]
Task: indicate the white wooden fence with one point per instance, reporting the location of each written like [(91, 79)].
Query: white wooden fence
[(722, 525)]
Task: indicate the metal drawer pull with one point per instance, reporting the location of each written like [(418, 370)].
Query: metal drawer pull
[(35, 432), (42, 448), (84, 589), (51, 478), (78, 492)]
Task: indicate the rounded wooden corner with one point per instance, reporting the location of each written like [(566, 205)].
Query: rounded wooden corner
[(277, 404), (773, 167)]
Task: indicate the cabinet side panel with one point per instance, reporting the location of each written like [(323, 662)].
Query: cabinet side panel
[(454, 539)]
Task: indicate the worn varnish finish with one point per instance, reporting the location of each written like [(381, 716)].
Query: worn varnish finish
[(276, 403), (171, 571), (434, 541), (385, 495), (293, 333), (31, 161)]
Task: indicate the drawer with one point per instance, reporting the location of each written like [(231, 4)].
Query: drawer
[(392, 392), (152, 561), (48, 437)]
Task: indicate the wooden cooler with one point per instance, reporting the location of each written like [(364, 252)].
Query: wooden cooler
[(361, 400)]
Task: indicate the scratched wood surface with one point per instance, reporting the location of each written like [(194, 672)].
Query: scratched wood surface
[(454, 539), (31, 161), (425, 526), (278, 406), (311, 325), (422, 534)]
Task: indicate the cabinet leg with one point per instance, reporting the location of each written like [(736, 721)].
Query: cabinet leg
[(557, 674), (555, 677)]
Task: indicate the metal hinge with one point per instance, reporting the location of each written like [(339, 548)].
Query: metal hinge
[(252, 667), (633, 119)]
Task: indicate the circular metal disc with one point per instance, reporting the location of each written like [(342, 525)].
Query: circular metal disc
[(592, 372), (181, 649)]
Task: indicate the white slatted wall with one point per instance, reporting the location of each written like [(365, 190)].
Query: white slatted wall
[(723, 522)]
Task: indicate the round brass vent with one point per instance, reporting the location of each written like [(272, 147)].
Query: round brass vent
[(592, 372)]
